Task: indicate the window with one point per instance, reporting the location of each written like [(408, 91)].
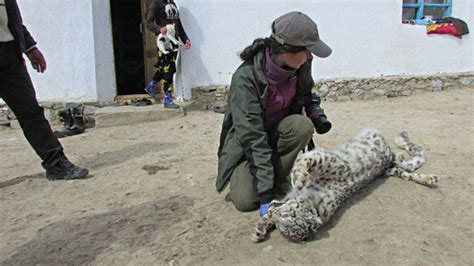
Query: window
[(422, 11)]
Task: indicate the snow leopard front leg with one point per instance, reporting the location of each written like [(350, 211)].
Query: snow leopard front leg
[(265, 225)]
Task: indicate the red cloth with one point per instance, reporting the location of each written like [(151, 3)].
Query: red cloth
[(442, 28)]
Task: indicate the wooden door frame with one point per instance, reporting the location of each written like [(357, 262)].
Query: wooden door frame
[(149, 44)]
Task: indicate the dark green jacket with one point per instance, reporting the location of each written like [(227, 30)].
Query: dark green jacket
[(243, 135)]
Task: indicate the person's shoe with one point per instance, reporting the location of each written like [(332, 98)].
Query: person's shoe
[(66, 170), (66, 119), (78, 126), (150, 89), (73, 123), (168, 101), (171, 106)]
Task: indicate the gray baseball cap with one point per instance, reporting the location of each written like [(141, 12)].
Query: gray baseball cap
[(297, 29)]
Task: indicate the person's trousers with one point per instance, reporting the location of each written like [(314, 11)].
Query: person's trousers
[(16, 89), (289, 137), (166, 68)]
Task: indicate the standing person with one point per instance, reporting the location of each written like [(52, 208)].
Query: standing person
[(18, 92), (264, 129), (161, 14)]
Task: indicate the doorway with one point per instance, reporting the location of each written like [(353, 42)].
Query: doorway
[(128, 44)]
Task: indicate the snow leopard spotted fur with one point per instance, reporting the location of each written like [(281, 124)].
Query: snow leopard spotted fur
[(322, 180)]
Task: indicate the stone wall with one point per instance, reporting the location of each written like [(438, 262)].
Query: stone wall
[(51, 110), (215, 97)]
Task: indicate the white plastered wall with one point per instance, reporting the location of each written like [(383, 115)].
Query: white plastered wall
[(367, 37), (75, 38)]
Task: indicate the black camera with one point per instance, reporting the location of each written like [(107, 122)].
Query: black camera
[(313, 110)]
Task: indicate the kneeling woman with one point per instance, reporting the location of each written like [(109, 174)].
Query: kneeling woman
[(264, 129)]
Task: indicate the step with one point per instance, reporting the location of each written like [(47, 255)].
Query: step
[(110, 116)]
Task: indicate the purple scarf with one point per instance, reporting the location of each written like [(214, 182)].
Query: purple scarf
[(281, 90)]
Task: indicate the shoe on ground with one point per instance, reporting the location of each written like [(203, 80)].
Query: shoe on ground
[(73, 124), (69, 131), (65, 170)]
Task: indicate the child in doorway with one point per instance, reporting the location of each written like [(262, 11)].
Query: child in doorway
[(161, 14)]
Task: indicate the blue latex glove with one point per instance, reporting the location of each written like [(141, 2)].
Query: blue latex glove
[(264, 208)]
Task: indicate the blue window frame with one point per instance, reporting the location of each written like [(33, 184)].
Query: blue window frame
[(416, 11)]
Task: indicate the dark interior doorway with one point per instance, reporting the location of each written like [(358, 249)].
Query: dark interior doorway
[(128, 46)]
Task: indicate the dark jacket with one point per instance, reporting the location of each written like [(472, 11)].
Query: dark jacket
[(157, 18), (243, 135), (23, 39)]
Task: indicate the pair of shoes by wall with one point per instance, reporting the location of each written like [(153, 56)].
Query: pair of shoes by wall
[(73, 120)]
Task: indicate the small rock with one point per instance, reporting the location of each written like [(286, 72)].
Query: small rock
[(406, 93), (343, 98), (467, 81), (324, 89), (420, 85), (437, 85), (379, 92), (267, 249)]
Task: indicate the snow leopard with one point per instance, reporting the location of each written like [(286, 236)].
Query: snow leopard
[(322, 179)]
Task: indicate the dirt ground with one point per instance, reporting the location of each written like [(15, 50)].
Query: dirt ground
[(151, 196)]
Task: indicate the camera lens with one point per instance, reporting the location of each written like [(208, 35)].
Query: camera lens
[(322, 125)]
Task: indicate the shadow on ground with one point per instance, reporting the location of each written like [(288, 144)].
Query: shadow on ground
[(80, 241), (108, 158), (353, 200), (103, 159), (20, 179)]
